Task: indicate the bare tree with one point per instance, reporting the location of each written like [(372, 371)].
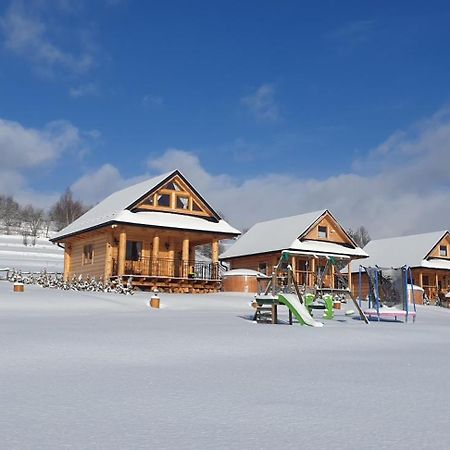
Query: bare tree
[(9, 212), (361, 236), (66, 210), (33, 219)]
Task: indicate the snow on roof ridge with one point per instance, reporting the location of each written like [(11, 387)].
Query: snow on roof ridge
[(272, 235), (409, 236), (116, 206), (280, 219)]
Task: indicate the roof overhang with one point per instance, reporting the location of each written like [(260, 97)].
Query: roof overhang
[(437, 263), (316, 254)]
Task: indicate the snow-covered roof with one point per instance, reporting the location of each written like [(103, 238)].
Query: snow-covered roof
[(309, 246), (244, 273), (114, 209), (436, 263), (284, 234), (404, 250), (171, 220)]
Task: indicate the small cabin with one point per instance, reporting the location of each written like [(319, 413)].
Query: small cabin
[(310, 238), (149, 232), (427, 254)]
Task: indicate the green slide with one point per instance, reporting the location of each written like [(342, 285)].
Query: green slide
[(298, 309)]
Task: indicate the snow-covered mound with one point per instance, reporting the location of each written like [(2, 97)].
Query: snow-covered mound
[(30, 258)]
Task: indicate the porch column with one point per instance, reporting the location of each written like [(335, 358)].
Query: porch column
[(215, 251), (332, 276), (122, 252), (185, 258), (294, 268), (349, 278), (67, 260), (108, 258), (155, 255), (436, 276), (312, 275), (215, 259), (171, 257), (421, 279)]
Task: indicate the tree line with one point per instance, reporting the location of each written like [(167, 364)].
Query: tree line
[(30, 221)]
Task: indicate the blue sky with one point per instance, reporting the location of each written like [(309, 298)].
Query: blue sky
[(247, 90)]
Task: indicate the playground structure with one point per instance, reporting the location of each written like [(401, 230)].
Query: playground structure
[(282, 290), (391, 293)]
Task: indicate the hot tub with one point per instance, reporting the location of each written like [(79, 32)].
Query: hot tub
[(243, 280)]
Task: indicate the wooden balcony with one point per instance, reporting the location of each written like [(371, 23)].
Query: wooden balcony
[(173, 275)]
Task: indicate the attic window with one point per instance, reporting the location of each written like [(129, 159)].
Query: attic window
[(195, 206), (182, 202), (443, 250), (172, 186), (322, 232), (149, 200), (163, 200)]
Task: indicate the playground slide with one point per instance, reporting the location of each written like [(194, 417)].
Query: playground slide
[(299, 310)]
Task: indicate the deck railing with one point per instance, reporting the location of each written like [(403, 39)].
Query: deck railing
[(171, 268)]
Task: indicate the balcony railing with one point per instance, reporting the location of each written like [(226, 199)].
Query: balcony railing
[(170, 268)]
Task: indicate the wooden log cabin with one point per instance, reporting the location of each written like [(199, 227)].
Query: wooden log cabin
[(311, 238), (428, 255), (150, 232)]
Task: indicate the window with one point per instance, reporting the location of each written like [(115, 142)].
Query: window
[(182, 202), (443, 250), (134, 251), (172, 186), (88, 254), (163, 200), (425, 280), (149, 200), (262, 267), (322, 232), (195, 206)]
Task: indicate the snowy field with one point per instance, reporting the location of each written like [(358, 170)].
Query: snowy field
[(104, 371), (30, 258)]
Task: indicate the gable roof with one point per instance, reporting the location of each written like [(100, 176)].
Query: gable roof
[(116, 209), (409, 250), (283, 234)]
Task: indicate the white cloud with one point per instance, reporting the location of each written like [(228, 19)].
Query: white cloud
[(353, 32), (152, 101), (28, 35), (262, 104), (25, 150), (83, 90), (400, 187), (97, 185)]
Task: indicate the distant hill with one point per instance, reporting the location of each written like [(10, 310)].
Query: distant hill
[(30, 258)]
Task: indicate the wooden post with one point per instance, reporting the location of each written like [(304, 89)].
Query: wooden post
[(215, 251), (332, 276), (349, 278), (436, 276), (215, 259), (421, 279), (122, 253), (155, 255), (171, 257), (313, 272), (294, 268), (108, 257), (67, 260), (185, 258)]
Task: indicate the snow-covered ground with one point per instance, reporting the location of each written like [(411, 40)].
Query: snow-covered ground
[(30, 258), (104, 371)]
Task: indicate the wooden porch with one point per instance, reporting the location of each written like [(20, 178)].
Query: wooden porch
[(171, 275)]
